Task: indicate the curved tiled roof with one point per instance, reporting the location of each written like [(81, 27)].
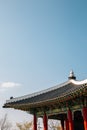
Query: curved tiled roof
[(60, 91), (37, 94)]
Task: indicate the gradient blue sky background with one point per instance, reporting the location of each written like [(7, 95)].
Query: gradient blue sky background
[(40, 42)]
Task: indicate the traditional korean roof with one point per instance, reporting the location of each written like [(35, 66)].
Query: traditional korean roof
[(60, 93)]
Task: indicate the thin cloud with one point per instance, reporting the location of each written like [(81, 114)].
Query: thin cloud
[(2, 89), (9, 84)]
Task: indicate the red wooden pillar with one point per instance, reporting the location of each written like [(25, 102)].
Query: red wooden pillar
[(45, 122), (62, 124), (35, 122), (85, 117), (70, 120), (66, 124)]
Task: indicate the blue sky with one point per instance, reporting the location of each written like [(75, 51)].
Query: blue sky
[(40, 42)]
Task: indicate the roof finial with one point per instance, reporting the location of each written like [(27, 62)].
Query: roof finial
[(71, 75)]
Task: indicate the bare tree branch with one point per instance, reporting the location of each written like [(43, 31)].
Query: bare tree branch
[(4, 124)]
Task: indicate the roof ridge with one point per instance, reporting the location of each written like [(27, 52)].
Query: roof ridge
[(76, 82)]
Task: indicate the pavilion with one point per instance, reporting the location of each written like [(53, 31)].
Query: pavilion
[(66, 102)]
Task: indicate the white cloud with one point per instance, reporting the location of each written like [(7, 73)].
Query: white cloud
[(9, 84)]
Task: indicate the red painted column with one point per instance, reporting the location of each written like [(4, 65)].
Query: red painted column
[(35, 122), (45, 122), (70, 120), (62, 124), (66, 124), (85, 117)]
